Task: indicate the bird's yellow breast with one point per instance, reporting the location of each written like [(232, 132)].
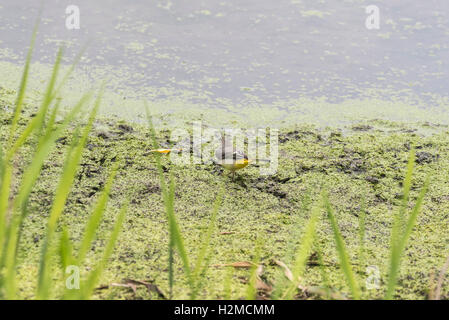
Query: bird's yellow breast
[(237, 165)]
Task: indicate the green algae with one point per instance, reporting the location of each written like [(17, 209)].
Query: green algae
[(314, 13), (173, 106), (359, 163)]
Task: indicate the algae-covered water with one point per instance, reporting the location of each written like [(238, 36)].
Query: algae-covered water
[(244, 62)]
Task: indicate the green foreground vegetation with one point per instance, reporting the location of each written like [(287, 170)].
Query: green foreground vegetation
[(260, 220)]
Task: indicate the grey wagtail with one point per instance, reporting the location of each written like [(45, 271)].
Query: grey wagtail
[(225, 155), (231, 159)]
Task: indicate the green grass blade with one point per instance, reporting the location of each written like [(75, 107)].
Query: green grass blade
[(6, 168), (95, 218), (414, 214), (94, 276), (397, 226), (23, 85), (50, 127), (2, 212), (227, 291), (399, 218), (402, 243), (303, 253), (69, 72), (6, 255), (295, 233), (251, 289), (61, 195), (345, 263), (2, 165), (30, 177), (167, 204), (362, 233), (4, 202), (176, 239), (177, 235), (324, 276), (171, 279), (201, 261), (6, 174), (58, 205), (65, 249), (37, 122), (48, 97), (45, 146)]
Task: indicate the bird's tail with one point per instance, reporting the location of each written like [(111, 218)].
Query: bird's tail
[(261, 160)]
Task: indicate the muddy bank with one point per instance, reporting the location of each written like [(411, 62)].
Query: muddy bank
[(363, 163)]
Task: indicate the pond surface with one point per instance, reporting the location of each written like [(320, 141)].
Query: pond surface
[(232, 55)]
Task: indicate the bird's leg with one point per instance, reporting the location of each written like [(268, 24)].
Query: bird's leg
[(233, 174)]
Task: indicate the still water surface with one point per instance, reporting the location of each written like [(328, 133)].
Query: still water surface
[(246, 53)]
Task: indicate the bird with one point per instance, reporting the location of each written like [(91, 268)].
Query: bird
[(232, 159), (225, 155)]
